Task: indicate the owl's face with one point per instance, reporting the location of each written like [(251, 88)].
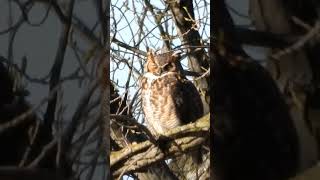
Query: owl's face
[(161, 63)]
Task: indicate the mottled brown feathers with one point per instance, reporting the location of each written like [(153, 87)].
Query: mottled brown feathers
[(161, 63), (168, 100)]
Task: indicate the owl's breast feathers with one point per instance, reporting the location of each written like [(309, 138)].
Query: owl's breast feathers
[(169, 101)]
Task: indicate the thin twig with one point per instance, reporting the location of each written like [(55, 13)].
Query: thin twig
[(299, 44)]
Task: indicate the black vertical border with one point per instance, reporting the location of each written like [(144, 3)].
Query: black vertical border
[(212, 50), (104, 16)]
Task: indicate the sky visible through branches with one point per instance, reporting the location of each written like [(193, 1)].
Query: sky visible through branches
[(132, 23)]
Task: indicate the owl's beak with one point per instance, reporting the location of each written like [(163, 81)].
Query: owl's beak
[(161, 69), (159, 72)]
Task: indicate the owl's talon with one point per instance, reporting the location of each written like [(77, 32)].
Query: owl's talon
[(162, 142)]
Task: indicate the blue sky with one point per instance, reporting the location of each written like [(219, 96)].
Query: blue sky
[(127, 35)]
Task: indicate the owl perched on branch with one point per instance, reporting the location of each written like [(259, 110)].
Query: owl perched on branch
[(168, 99)]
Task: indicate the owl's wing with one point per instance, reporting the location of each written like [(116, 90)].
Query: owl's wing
[(188, 101)]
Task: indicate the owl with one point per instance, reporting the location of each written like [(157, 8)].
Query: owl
[(168, 99)]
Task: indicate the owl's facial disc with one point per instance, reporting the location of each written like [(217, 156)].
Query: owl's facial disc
[(161, 63), (151, 67)]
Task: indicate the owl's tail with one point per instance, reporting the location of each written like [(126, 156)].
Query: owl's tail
[(188, 166), (196, 156)]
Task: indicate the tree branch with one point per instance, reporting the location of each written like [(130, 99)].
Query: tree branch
[(182, 139), (183, 14)]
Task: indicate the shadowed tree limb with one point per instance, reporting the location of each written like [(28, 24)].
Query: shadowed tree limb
[(136, 157)]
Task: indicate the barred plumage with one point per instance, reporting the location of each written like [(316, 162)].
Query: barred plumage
[(168, 99)]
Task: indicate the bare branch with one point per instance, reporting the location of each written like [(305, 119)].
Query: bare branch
[(138, 156)]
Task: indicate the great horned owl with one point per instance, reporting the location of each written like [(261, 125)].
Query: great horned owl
[(168, 99)]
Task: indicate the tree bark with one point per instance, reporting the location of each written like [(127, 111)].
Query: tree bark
[(291, 71)]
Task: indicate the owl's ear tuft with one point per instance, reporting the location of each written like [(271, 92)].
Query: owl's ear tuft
[(150, 56), (151, 65)]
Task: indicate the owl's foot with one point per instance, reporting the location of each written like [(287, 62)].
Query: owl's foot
[(163, 142)]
